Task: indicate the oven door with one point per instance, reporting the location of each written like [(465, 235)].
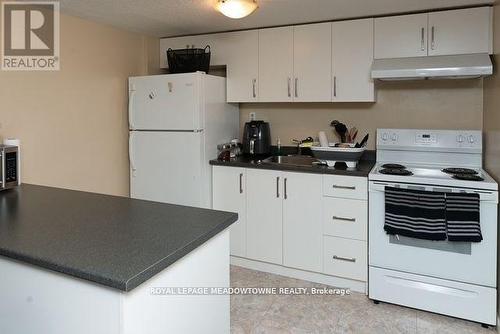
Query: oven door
[(474, 263)]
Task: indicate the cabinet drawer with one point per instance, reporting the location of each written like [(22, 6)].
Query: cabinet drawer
[(345, 186), (345, 258), (345, 218)]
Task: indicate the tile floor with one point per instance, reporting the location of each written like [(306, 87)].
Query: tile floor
[(328, 314)]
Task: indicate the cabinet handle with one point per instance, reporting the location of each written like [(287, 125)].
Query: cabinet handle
[(296, 87), (278, 187), (344, 219), (432, 38), (285, 183), (241, 183), (422, 39), (289, 87), (335, 86), (343, 187), (347, 259), (254, 92)]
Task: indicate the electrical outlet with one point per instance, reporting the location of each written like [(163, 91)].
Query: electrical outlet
[(252, 116)]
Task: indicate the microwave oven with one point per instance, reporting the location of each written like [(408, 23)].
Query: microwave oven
[(9, 167)]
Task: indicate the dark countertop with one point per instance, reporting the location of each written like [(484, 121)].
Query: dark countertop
[(115, 241), (363, 169)]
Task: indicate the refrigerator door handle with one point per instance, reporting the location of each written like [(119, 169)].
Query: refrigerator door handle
[(133, 169), (131, 94)]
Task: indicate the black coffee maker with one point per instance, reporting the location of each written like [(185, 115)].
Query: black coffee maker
[(257, 138)]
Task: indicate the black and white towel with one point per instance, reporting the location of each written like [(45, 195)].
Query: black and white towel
[(415, 213), (462, 215)]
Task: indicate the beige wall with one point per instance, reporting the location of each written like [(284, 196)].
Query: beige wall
[(446, 104), (73, 123)]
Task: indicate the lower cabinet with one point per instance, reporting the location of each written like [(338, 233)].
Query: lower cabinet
[(229, 194), (345, 258), (311, 222), (302, 221), (345, 226), (264, 215)]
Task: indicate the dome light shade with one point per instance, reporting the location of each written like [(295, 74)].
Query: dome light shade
[(236, 9)]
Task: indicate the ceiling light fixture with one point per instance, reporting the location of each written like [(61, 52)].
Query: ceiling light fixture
[(236, 9)]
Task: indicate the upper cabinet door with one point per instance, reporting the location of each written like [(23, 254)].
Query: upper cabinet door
[(460, 31), (312, 63), (401, 36), (243, 66), (352, 58), (276, 64)]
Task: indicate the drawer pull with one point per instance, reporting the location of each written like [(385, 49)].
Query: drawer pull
[(344, 219), (347, 259), (343, 187)]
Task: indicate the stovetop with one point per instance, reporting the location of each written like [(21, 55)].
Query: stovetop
[(432, 175)]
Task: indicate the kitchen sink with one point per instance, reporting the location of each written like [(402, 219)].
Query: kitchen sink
[(293, 160)]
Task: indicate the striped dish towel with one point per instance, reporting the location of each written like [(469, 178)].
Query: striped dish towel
[(462, 215), (416, 214)]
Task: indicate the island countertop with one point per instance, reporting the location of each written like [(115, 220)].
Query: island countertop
[(114, 241)]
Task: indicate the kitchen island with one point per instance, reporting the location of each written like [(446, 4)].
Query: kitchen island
[(77, 262)]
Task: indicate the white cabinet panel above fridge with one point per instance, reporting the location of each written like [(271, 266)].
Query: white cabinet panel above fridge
[(166, 102)]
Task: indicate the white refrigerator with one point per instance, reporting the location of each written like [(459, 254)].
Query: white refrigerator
[(176, 122)]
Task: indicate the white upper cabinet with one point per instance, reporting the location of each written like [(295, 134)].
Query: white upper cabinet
[(352, 57), (312, 63), (460, 31), (243, 66), (276, 64), (401, 36), (331, 62)]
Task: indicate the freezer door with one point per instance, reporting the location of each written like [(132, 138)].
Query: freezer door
[(166, 102), (167, 167)]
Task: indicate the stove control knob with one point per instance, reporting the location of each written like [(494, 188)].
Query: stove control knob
[(460, 139), (394, 137), (385, 136), (472, 140)]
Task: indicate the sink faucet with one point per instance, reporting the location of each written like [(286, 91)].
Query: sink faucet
[(299, 148)]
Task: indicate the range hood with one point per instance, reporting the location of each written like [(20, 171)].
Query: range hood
[(433, 67)]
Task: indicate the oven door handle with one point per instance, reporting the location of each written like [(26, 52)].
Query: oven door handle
[(379, 187)]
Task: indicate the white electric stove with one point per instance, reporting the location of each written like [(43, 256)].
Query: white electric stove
[(452, 278)]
